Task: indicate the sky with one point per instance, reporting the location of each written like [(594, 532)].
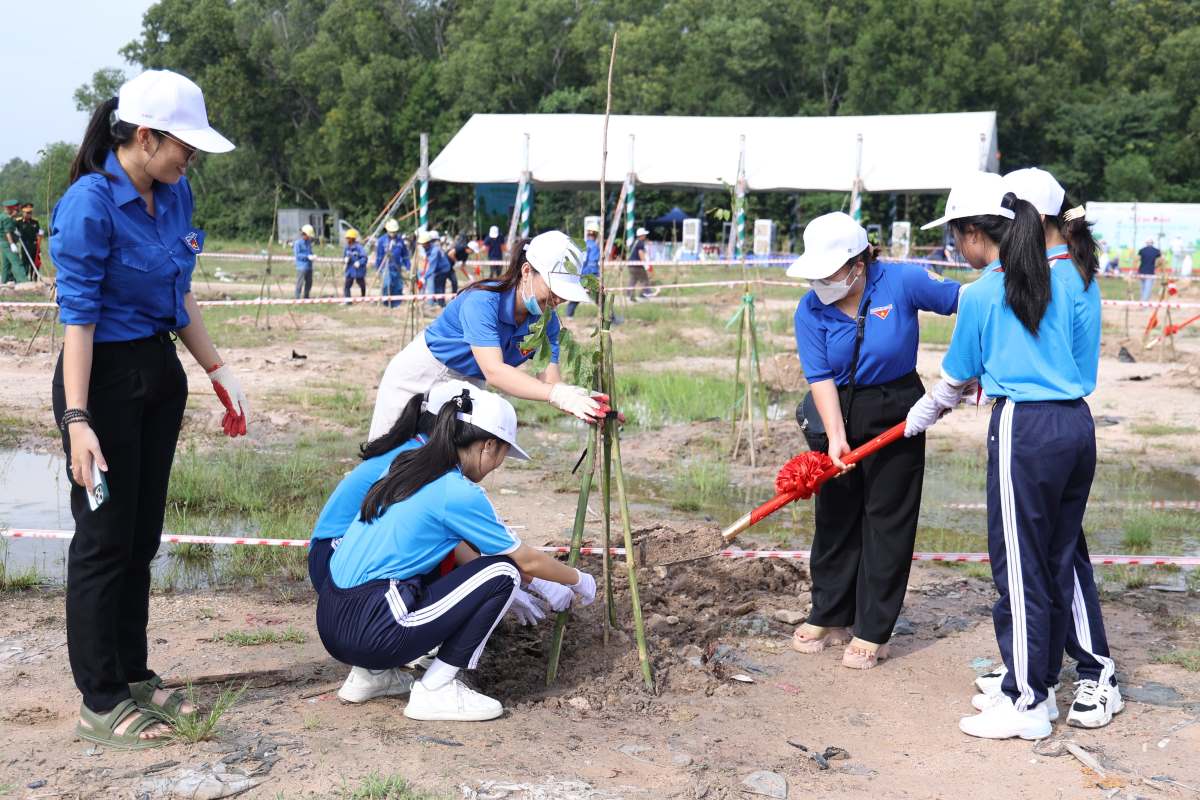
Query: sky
[(61, 45)]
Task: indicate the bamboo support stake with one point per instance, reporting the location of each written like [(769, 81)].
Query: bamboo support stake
[(585, 490), (639, 627)]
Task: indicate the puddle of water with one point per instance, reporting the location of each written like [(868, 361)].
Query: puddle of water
[(34, 494)]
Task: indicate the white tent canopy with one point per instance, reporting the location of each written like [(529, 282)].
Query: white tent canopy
[(900, 153)]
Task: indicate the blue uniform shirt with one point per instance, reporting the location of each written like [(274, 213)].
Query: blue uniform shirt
[(412, 537), (436, 261), (356, 260), (991, 344), (483, 319), (392, 244), (343, 505), (119, 268), (302, 250), (825, 335), (1085, 315), (591, 259)]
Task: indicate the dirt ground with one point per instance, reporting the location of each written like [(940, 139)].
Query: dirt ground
[(731, 697)]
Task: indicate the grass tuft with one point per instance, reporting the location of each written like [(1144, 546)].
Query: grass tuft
[(697, 483), (200, 727), (380, 787), (1189, 659), (289, 635), (1159, 429)]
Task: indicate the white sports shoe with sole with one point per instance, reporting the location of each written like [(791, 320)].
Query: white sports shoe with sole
[(453, 702), (989, 682), (982, 702), (1002, 720), (364, 684), (1094, 705)]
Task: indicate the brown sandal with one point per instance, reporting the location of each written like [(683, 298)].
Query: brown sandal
[(859, 656), (804, 642)]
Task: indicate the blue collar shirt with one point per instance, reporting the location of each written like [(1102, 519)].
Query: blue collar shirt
[(1085, 315), (119, 268), (438, 262), (393, 246), (356, 260), (591, 259), (302, 250), (481, 318)]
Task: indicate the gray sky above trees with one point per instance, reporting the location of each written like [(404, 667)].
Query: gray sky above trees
[(62, 44)]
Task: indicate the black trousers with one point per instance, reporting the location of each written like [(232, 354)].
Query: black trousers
[(866, 520), (136, 396), (350, 281)]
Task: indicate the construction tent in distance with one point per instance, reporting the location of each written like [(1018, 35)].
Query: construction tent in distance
[(898, 153)]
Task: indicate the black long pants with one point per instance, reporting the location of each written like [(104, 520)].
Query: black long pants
[(866, 520), (350, 281), (136, 396)]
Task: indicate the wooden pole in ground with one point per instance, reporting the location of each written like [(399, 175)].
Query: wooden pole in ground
[(585, 489)]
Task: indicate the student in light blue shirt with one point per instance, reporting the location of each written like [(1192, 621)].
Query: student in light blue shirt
[(384, 604), (1015, 333)]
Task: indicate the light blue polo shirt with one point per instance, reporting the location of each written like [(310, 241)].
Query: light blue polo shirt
[(412, 536), (991, 344), (1085, 315), (343, 505), (483, 319)]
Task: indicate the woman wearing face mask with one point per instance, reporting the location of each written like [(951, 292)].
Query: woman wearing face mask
[(125, 248), (857, 333), (478, 337), (381, 607)]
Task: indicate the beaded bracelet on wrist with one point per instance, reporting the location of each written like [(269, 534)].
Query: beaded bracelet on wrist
[(74, 415)]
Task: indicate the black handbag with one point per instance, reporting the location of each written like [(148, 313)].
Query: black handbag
[(807, 416)]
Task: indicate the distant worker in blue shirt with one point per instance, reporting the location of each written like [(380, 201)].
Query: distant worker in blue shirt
[(437, 266), (1148, 260), (302, 250), (591, 260), (392, 261), (125, 248), (1016, 334), (495, 251), (857, 332), (356, 264)]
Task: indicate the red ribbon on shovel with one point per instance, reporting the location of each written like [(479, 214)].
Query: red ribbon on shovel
[(802, 476)]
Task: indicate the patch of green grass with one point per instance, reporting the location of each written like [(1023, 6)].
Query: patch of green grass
[(345, 405), (193, 556), (1142, 528), (1159, 429), (19, 581), (697, 483), (7, 788), (199, 726), (936, 329), (289, 635), (384, 787), (260, 565), (651, 400), (1189, 659)]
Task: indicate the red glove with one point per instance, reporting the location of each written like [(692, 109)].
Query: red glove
[(230, 393)]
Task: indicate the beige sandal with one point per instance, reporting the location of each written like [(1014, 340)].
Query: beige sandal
[(861, 654), (813, 638)]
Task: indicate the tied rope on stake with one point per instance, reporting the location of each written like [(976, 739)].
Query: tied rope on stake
[(803, 476)]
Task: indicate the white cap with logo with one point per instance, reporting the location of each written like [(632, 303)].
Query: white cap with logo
[(830, 241), (488, 411), (976, 195), (167, 101), (1038, 188), (556, 258)]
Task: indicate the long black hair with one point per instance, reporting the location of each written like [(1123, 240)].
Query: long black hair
[(1022, 242), (413, 469), (511, 275), (405, 428), (1080, 242), (104, 134)]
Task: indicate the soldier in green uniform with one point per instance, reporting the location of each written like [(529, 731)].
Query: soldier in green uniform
[(29, 233), (13, 268)]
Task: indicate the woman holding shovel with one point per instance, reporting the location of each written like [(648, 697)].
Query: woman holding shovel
[(857, 333)]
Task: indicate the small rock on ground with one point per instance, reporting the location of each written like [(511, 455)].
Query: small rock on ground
[(767, 784)]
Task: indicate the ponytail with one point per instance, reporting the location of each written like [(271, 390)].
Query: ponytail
[(104, 134), (1080, 243), (404, 429), (1023, 254), (412, 470), (511, 275)]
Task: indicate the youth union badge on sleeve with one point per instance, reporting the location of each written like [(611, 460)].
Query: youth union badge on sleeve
[(881, 311), (194, 240)]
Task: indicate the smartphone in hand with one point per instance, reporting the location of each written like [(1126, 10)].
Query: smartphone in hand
[(99, 492)]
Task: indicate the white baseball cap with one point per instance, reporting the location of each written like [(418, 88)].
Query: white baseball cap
[(489, 411), (977, 194), (309, 229), (494, 232), (642, 232), (391, 226), (830, 241), (167, 101), (556, 258), (1037, 187)]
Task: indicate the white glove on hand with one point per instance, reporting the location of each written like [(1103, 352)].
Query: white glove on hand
[(923, 414), (558, 596), (935, 404), (13, 246), (585, 588), (574, 400), (526, 608), (229, 392)]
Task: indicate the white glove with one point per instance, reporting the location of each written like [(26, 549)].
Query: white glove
[(558, 596), (935, 404), (12, 246), (585, 588), (923, 414), (526, 608), (574, 400), (229, 392)]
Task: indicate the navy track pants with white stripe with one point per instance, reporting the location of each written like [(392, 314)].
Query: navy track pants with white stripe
[(384, 623), (1041, 461)]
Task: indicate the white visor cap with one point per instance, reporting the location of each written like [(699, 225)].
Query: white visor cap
[(489, 412), (830, 241), (977, 194), (1037, 187), (494, 232), (167, 101), (556, 258)]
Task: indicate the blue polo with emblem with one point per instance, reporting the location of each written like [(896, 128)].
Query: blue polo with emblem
[(120, 268), (895, 293), (481, 318)]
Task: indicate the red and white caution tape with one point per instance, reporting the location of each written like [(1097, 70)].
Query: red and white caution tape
[(802, 555)]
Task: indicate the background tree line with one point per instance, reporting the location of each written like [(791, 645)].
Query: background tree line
[(326, 98)]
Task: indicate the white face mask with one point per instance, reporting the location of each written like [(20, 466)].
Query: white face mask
[(829, 292)]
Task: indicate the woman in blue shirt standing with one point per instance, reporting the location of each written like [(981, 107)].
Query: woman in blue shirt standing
[(478, 337), (384, 605), (857, 332), (125, 248), (1016, 333)]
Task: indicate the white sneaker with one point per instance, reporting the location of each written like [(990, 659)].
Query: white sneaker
[(989, 682), (1002, 721), (982, 702), (363, 684), (455, 701), (1094, 705)]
